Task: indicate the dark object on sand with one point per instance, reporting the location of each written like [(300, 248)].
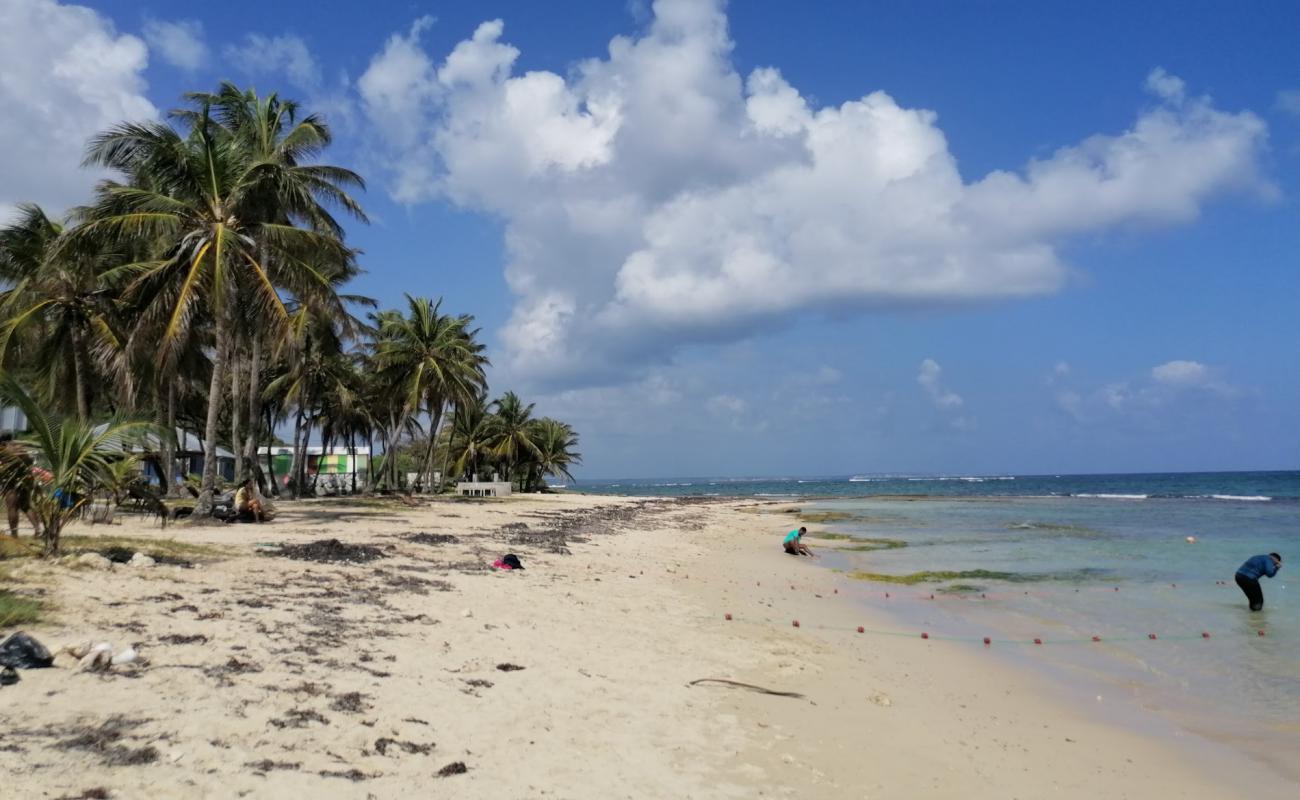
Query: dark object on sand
[(432, 538), (24, 652), (454, 768), (123, 555), (511, 560), (330, 550), (8, 676), (118, 555), (507, 667), (411, 748), (751, 687)]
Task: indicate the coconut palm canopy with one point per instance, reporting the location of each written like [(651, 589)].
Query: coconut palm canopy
[(203, 288)]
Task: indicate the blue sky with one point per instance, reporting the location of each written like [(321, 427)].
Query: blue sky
[(717, 251)]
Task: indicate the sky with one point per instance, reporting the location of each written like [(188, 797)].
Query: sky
[(782, 239)]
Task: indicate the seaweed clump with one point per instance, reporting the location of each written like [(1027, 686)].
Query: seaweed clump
[(935, 576), (331, 550)]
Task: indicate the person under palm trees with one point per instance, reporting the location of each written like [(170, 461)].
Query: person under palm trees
[(247, 505), (17, 497)]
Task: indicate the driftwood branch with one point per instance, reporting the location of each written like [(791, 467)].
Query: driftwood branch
[(751, 687)]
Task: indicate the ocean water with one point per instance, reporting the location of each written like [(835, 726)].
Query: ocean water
[(1064, 559), (1227, 486)]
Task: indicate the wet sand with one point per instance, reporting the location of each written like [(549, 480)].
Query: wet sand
[(605, 669)]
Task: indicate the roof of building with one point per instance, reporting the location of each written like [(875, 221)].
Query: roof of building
[(186, 444)]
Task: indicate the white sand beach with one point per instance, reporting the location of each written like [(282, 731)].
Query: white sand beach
[(263, 676)]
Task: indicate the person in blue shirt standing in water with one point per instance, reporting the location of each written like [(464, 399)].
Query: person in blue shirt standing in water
[(1248, 577)]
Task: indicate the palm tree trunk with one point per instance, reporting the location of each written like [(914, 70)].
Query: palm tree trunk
[(270, 454), (370, 462), (302, 470), (236, 386), (168, 445), (79, 378), (446, 455), (396, 436), (297, 455), (254, 402), (352, 459), (52, 527), (203, 508), (426, 466)]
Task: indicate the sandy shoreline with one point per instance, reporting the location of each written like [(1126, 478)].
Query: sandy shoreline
[(270, 677)]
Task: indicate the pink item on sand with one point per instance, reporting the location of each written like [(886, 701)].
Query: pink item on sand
[(499, 564)]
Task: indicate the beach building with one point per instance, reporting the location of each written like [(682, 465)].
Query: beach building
[(12, 421), (333, 468), (189, 456), (476, 488)]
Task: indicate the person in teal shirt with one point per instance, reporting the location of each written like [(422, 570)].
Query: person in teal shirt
[(794, 545)]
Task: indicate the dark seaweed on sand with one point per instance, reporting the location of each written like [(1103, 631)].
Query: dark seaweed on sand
[(350, 703), (298, 718), (384, 743), (351, 774), (106, 741), (267, 765), (433, 538), (331, 550)]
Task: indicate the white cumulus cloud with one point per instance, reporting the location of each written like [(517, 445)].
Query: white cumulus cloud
[(65, 75), (1166, 387), (930, 377), (1181, 373), (653, 197), (179, 43), (726, 405), (1288, 102), (284, 57)]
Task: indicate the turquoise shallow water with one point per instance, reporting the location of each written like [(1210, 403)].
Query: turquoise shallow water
[(1071, 568)]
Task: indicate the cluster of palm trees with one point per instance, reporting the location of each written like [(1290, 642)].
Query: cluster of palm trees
[(202, 288)]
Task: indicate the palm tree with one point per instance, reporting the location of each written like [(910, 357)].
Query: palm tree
[(511, 432), (269, 128), (317, 369), (77, 455), (555, 450), (432, 360), (237, 227), (471, 437), (349, 413), (58, 314)]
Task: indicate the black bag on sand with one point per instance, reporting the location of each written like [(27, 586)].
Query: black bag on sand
[(511, 560), (24, 652)]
